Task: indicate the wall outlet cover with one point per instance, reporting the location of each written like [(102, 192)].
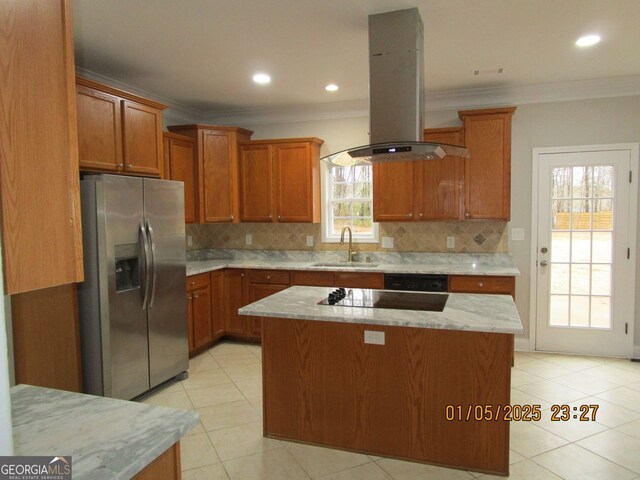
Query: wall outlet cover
[(451, 242), (309, 240), (189, 241), (373, 338), (248, 239), (387, 242), (517, 234)]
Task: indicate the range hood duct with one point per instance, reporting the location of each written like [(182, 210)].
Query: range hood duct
[(396, 91)]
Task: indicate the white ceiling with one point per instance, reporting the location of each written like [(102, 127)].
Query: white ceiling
[(201, 54)]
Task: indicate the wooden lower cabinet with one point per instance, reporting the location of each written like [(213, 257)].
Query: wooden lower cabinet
[(324, 385), (204, 308), (497, 284), (165, 467), (46, 338), (234, 294), (258, 291)]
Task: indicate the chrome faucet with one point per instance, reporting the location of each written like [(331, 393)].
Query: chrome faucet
[(351, 252)]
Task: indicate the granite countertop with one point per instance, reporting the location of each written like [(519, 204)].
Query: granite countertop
[(470, 312), (449, 264), (106, 438)]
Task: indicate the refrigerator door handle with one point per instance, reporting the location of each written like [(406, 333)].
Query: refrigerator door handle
[(144, 265), (153, 263)]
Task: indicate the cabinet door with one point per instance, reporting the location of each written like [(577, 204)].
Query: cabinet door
[(393, 191), (440, 182), (190, 320), (234, 288), (313, 279), (180, 165), (217, 178), (258, 291), (217, 303), (359, 280), (295, 175), (202, 331), (142, 127), (99, 130), (256, 183), (39, 185), (488, 171)]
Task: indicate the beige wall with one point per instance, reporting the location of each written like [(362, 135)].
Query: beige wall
[(584, 122)]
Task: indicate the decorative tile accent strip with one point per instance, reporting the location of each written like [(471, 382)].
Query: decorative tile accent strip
[(470, 237)]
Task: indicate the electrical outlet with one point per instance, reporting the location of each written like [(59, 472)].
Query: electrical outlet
[(517, 234), (309, 240), (387, 242), (373, 338), (248, 239), (189, 241), (451, 242)]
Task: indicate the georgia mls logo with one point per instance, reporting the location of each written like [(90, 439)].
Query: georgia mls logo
[(35, 468)]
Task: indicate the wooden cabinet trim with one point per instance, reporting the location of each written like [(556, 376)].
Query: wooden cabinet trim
[(486, 111), (118, 93), (498, 284), (276, 141)]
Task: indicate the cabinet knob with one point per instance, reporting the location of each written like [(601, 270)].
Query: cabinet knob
[(270, 217), (193, 282), (195, 296), (466, 214), (268, 277), (410, 215), (242, 274), (480, 284), (130, 165), (231, 217), (420, 215), (119, 165), (278, 217)]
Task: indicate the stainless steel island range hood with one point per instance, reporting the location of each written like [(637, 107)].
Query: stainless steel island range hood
[(396, 90)]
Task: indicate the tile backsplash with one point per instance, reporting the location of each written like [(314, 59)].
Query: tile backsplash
[(470, 237)]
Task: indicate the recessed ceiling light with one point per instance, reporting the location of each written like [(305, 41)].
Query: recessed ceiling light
[(332, 87), (587, 40), (261, 78)]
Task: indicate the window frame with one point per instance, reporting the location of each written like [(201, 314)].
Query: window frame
[(327, 217)]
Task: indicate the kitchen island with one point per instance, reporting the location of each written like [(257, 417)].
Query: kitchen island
[(106, 438), (428, 389)]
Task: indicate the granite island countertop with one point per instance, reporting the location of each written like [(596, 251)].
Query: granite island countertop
[(106, 438), (470, 312), (446, 264)]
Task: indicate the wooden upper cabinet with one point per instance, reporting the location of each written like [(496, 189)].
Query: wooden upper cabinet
[(142, 138), (488, 171), (180, 164), (216, 170), (280, 180), (256, 183), (118, 132), (394, 184), (100, 138), (39, 185), (439, 195)]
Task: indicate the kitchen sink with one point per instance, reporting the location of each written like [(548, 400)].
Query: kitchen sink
[(345, 264)]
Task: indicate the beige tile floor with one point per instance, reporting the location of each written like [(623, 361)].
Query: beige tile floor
[(224, 386)]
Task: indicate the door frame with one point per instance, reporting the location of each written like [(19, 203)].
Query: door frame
[(634, 150)]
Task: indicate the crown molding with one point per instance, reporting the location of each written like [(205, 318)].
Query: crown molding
[(176, 112), (434, 101)]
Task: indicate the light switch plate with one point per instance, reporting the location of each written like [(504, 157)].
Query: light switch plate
[(387, 242), (373, 338), (451, 242), (248, 239), (189, 241), (517, 234), (309, 240)]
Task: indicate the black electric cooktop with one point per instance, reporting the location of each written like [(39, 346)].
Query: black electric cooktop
[(359, 297)]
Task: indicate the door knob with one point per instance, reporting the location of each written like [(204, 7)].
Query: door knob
[(544, 249), (544, 263)]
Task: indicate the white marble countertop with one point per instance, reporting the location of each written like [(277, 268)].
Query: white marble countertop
[(106, 438), (449, 264), (470, 312)]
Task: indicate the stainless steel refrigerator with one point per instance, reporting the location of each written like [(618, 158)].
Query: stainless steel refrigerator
[(133, 312)]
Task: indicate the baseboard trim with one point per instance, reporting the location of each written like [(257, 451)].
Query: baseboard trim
[(522, 345), (636, 352)]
